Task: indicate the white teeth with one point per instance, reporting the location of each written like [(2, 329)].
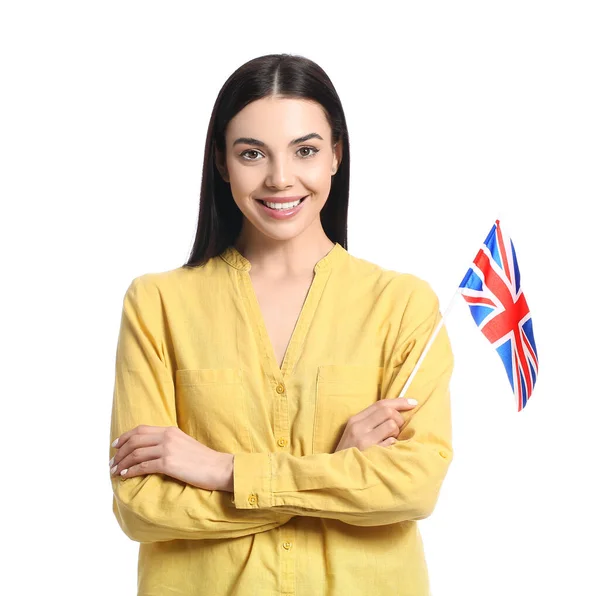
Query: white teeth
[(282, 205)]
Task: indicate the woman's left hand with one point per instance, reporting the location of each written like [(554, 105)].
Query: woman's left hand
[(168, 450)]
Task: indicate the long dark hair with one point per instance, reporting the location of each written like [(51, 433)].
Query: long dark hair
[(220, 219)]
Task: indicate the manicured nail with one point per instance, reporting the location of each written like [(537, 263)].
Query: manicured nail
[(113, 469), (111, 462), (114, 443), (123, 472), (411, 401)]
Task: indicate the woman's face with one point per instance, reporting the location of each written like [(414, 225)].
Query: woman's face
[(268, 155)]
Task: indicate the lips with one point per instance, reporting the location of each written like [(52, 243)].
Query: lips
[(282, 213), (280, 202), (282, 199)]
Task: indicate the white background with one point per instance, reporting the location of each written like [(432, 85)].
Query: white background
[(457, 111)]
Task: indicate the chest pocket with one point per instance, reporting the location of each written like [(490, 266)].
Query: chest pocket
[(211, 407), (342, 391)]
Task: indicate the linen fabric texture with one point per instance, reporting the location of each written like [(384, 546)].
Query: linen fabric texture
[(193, 352)]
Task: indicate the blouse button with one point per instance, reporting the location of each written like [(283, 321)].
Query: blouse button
[(280, 388), (282, 442), (287, 545), (252, 499), (444, 454)]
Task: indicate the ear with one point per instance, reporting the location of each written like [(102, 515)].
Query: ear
[(221, 165), (337, 157)]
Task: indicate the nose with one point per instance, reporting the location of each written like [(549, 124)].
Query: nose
[(280, 174)]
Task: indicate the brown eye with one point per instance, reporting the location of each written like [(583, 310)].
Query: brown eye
[(314, 149), (243, 154)]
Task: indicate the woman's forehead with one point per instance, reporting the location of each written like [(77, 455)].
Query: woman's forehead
[(278, 120)]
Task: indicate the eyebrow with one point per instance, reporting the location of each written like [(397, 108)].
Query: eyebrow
[(251, 141)]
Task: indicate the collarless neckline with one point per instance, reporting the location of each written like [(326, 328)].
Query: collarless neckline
[(236, 259)]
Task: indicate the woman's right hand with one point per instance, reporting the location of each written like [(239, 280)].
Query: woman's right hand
[(378, 424)]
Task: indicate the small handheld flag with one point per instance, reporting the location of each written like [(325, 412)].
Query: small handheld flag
[(492, 289)]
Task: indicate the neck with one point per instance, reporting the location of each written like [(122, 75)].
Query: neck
[(277, 258)]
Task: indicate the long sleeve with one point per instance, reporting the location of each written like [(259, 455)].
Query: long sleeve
[(156, 507), (380, 485)]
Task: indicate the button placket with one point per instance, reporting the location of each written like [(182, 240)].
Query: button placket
[(281, 427), (288, 558)]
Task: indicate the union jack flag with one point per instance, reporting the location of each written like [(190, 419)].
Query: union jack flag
[(492, 289)]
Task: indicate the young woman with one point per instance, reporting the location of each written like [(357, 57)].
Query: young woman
[(258, 445)]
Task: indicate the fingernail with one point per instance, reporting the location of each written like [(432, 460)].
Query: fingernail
[(113, 469), (111, 462), (411, 401), (114, 443), (123, 472)]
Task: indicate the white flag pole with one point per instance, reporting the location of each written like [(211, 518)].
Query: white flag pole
[(428, 345), (436, 331)]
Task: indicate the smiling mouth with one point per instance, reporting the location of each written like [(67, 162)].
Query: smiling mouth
[(275, 206)]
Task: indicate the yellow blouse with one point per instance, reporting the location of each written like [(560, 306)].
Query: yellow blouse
[(193, 351)]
